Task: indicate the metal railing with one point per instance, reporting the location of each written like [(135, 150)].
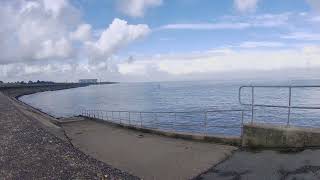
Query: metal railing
[(202, 121), (289, 105)]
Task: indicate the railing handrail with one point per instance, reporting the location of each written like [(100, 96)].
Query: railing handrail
[(289, 106), (282, 86), (169, 112), (117, 116)]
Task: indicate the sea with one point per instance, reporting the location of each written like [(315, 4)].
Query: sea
[(181, 106)]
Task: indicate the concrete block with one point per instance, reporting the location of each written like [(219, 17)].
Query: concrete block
[(274, 136)]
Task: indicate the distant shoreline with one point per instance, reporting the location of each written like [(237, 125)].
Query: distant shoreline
[(18, 90), (15, 91)]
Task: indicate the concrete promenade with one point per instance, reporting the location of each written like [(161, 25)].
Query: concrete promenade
[(29, 151), (267, 165), (145, 155), (154, 157)]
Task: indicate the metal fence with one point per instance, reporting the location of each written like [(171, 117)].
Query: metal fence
[(289, 105), (202, 122)]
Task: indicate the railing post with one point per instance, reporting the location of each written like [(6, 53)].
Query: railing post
[(205, 122), (252, 104), (129, 118), (175, 120), (289, 107), (112, 117), (140, 120), (155, 118), (241, 128), (119, 117)]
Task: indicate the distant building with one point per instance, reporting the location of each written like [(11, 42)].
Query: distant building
[(91, 81)]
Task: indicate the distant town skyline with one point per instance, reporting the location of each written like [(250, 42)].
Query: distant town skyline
[(159, 40)]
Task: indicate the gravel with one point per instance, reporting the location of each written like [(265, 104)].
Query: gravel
[(30, 152)]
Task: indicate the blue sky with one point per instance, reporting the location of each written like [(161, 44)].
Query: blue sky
[(101, 13), (159, 40)]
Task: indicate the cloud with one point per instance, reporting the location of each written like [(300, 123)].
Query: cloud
[(264, 44), (54, 49), (55, 7), (216, 64), (235, 22), (116, 36), (207, 26), (245, 5), (137, 8), (315, 19), (230, 61), (35, 30), (304, 36), (82, 33), (45, 30), (315, 4)]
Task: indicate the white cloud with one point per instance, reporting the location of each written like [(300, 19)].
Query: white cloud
[(304, 36), (82, 33), (315, 19), (54, 49), (236, 22), (55, 7), (229, 61), (314, 4), (137, 8), (245, 5), (218, 63), (37, 30), (139, 68), (207, 26), (265, 44), (34, 30), (116, 36)]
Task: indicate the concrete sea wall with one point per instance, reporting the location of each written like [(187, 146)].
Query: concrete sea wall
[(275, 136)]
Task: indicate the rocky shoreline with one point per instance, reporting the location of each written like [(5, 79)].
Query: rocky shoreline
[(29, 150)]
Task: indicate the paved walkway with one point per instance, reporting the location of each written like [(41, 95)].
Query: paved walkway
[(145, 155), (28, 151), (267, 165)]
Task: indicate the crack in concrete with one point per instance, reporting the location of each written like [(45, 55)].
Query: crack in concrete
[(235, 175), (301, 170)]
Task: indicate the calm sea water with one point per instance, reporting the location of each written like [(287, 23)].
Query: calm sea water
[(184, 96)]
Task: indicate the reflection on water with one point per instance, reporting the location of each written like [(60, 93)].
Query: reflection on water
[(183, 96)]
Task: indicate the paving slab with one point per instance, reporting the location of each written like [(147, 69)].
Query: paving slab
[(145, 155)]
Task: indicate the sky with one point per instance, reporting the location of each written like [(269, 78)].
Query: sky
[(159, 40)]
